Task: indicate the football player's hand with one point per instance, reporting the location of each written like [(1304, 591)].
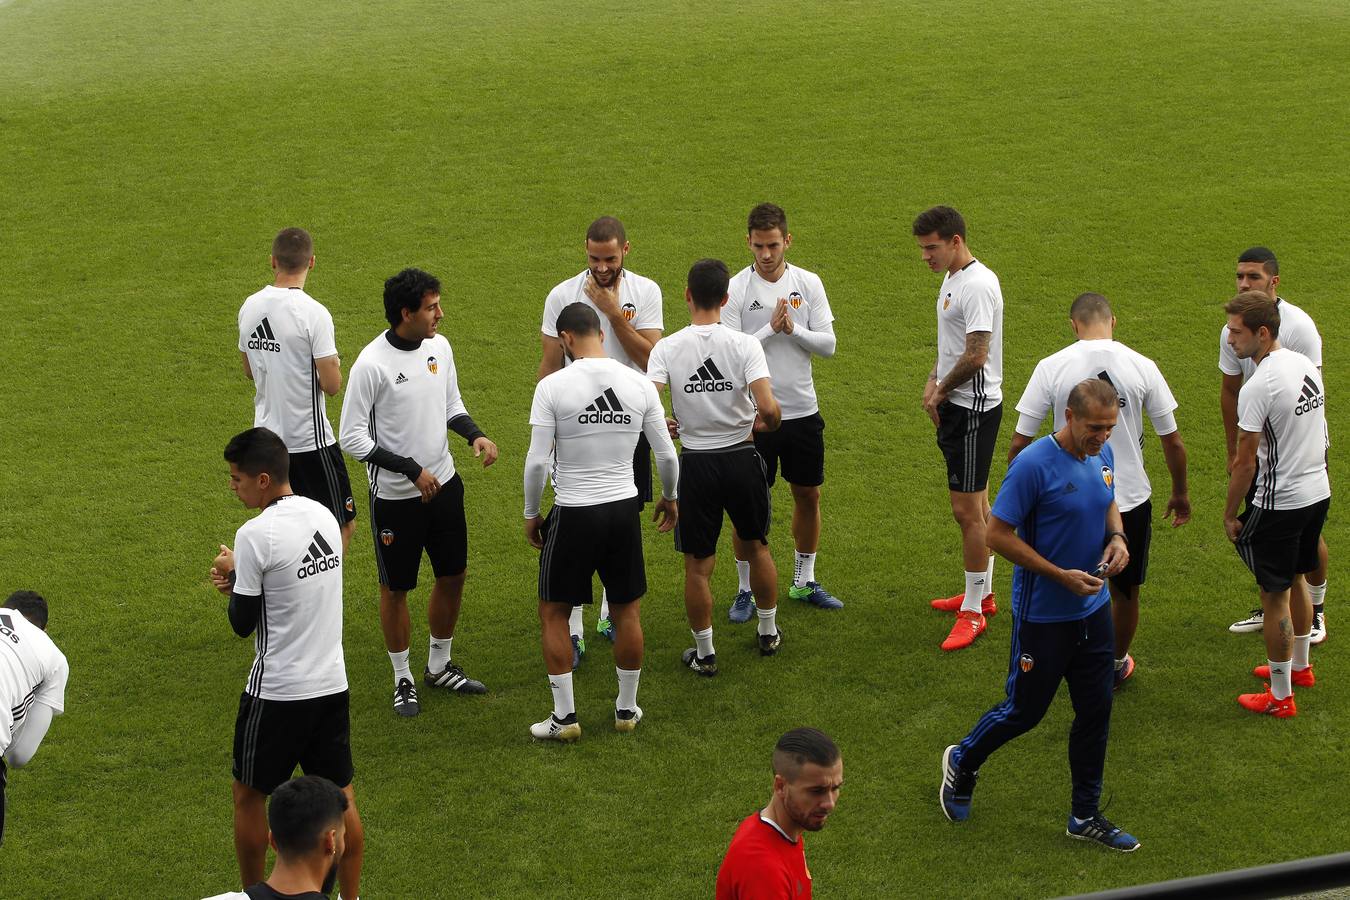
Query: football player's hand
[(533, 532), (486, 450), (667, 513), (221, 568), (776, 321), (1080, 582), (1115, 558), (1178, 509), (672, 426), (1232, 526), (606, 299), (932, 400), (428, 485)]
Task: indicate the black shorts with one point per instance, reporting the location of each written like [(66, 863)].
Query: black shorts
[(1277, 544), (404, 528), (642, 470), (713, 481), (798, 447), (321, 475), (1138, 526), (580, 541), (966, 439), (272, 737)]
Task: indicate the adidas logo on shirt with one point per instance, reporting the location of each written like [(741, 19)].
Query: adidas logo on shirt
[(707, 380), (264, 339), (401, 379), (1310, 399), (605, 410), (755, 304), (320, 558)]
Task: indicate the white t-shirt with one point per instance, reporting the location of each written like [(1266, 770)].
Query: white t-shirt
[(970, 300), (283, 330), (750, 304), (1284, 402), (291, 555), (401, 400), (1298, 332), (596, 408), (1142, 390), (639, 297), (32, 670), (709, 369)]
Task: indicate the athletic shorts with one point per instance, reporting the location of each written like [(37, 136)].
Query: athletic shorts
[(321, 475), (966, 439), (580, 541), (272, 737), (642, 470), (1138, 526), (404, 528), (716, 481), (798, 447), (1277, 544)]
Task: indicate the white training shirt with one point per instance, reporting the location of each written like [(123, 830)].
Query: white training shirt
[(283, 330), (639, 298), (291, 555), (1142, 389), (596, 407), (1283, 401), (750, 304), (32, 670), (1298, 332), (401, 400), (709, 369), (968, 301)]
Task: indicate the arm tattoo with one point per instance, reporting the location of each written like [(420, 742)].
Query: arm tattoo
[(977, 347)]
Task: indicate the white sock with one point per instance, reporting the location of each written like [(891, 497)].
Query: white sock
[(1318, 593), (1280, 684), (743, 573), (975, 591), (989, 576), (803, 569), (628, 685), (1078, 821), (703, 642), (574, 624), (563, 704), (1302, 643), (439, 654), (604, 603), (400, 663), (768, 620)]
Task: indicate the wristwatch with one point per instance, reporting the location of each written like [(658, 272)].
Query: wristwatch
[(1119, 534)]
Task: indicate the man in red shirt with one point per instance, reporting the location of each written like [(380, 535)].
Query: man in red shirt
[(766, 860)]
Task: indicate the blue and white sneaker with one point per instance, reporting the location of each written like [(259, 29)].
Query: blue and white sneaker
[(578, 649), (742, 607), (816, 595), (958, 786), (1103, 832)]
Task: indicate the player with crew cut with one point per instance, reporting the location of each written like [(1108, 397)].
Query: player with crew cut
[(721, 397)]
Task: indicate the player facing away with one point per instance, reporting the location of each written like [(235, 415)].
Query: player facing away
[(1259, 270), (587, 418), (721, 397), (766, 859), (629, 308), (964, 398), (1142, 389), (308, 831), (1056, 520), (785, 308), (284, 581), (33, 675), (1281, 460), (402, 396), (288, 347)]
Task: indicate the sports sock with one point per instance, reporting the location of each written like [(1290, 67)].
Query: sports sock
[(1280, 685), (743, 573), (604, 603), (989, 576), (400, 663), (1318, 593), (1078, 821), (703, 643), (975, 591), (563, 704), (439, 654), (803, 569), (1120, 663), (768, 621), (574, 624), (628, 685), (1302, 643)]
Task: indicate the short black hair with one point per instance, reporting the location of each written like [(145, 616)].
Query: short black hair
[(30, 605), (406, 290), (1263, 255), (708, 280), (259, 450), (606, 229), (293, 249), (301, 810), (1090, 308), (578, 320), (801, 746), (942, 219), (767, 217)]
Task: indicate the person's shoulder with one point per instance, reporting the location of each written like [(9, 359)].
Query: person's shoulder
[(981, 274), (437, 342), (232, 895), (740, 279), (373, 347), (642, 282), (258, 296), (563, 291)]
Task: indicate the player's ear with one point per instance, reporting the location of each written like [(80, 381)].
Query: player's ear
[(623, 251), (272, 840), (272, 261), (311, 262), (787, 240), (725, 298)]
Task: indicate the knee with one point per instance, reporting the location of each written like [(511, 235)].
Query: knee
[(968, 517), (807, 496)]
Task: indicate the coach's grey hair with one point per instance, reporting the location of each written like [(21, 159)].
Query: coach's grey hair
[(1092, 392)]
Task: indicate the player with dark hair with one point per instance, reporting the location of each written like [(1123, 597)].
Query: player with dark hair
[(766, 859), (721, 397), (33, 675), (785, 308), (629, 308), (1056, 520), (403, 395), (288, 348), (284, 581)]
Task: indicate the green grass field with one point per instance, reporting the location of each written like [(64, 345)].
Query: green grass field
[(151, 150)]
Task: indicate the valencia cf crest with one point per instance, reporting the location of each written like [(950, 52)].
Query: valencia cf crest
[(795, 299), (350, 504), (431, 365), (946, 301), (1107, 476), (629, 312), (386, 537), (1026, 663)]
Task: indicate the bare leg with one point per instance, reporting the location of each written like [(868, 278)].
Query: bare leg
[(971, 511), (805, 518), (554, 638), (628, 645), (250, 833), (447, 594), (394, 619), (698, 599), (1125, 613)]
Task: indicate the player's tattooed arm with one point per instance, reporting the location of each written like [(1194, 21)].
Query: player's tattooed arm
[(969, 364)]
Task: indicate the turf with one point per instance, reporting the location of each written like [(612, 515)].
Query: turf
[(152, 149)]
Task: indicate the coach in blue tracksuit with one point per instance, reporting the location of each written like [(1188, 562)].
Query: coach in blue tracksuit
[(1059, 496)]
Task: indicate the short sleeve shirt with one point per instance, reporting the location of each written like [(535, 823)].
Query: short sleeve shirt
[(32, 670), (639, 298), (1298, 332), (971, 300), (709, 369), (762, 864), (1284, 402)]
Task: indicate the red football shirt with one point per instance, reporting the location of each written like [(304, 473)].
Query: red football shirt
[(762, 864)]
